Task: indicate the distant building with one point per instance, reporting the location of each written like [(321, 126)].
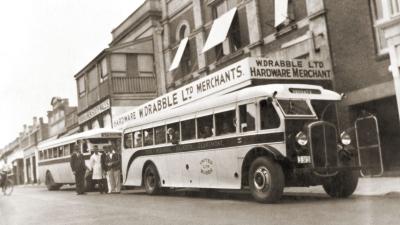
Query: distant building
[(62, 118)]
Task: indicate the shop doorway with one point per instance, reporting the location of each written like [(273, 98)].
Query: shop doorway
[(386, 112)]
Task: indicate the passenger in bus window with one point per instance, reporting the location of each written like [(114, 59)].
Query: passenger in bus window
[(206, 132), (159, 135), (173, 135), (148, 137), (138, 139), (227, 128)]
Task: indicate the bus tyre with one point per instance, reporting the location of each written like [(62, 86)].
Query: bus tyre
[(342, 185), (266, 180), (50, 184), (151, 180)]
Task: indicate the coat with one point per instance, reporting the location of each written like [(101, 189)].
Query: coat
[(78, 163), (96, 165), (113, 161)]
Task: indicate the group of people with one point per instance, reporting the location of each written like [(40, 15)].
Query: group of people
[(105, 168)]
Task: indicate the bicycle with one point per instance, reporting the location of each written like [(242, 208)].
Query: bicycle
[(8, 186)]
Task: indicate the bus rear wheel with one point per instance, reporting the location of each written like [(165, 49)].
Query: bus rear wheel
[(50, 184), (151, 180), (266, 180), (342, 185)]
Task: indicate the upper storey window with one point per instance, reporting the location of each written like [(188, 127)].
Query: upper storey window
[(183, 57), (384, 12), (225, 31)]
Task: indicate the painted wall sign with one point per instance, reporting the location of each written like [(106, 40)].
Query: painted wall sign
[(105, 105), (232, 76)]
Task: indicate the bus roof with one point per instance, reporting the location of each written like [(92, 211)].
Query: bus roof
[(279, 91), (94, 133)]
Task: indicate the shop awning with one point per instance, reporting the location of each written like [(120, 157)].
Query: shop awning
[(179, 54), (281, 11), (219, 29)]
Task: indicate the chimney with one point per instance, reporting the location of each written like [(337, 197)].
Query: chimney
[(34, 121), (41, 120), (25, 128)]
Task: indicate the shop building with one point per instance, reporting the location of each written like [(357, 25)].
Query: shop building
[(125, 74), (365, 52), (29, 139)]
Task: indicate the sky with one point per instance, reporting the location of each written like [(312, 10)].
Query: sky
[(44, 43)]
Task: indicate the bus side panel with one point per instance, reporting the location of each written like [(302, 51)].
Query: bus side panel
[(62, 173)]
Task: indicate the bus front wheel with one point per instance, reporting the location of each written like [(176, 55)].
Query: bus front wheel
[(50, 184), (151, 180), (342, 185), (266, 180)]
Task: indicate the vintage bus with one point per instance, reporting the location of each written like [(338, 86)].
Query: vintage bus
[(54, 155), (262, 138)]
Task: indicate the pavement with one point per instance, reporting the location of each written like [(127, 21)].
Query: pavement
[(375, 186), (367, 186)]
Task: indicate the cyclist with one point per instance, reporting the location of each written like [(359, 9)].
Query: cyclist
[(3, 175)]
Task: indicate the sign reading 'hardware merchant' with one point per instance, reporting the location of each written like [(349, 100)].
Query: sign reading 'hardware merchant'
[(232, 77), (294, 69)]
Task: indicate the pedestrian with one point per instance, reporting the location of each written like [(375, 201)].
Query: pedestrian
[(78, 169), (96, 166), (113, 162)]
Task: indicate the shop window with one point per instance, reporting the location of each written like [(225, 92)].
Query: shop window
[(189, 129), (269, 118), (81, 86), (160, 135), (148, 137), (247, 117), (67, 150), (173, 133), (205, 127), (137, 139), (384, 12), (225, 123), (128, 140)]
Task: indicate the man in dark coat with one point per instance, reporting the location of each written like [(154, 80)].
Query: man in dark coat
[(78, 168)]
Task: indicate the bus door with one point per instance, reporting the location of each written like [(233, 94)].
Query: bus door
[(369, 146)]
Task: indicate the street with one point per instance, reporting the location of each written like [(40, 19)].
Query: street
[(35, 205)]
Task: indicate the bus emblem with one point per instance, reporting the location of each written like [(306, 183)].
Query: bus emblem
[(206, 166)]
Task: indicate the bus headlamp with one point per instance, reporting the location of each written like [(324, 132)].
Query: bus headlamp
[(301, 138), (345, 138)]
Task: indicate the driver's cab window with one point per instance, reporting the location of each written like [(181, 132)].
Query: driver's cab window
[(269, 118), (247, 117)]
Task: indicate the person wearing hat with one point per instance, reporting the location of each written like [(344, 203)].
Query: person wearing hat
[(78, 169), (96, 166)]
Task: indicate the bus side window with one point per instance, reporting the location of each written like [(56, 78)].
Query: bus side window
[(40, 155), (85, 147), (71, 147), (173, 133), (159, 135), (247, 117), (148, 137), (67, 150), (138, 139), (189, 129), (61, 151), (225, 122), (205, 126), (268, 116), (128, 140)]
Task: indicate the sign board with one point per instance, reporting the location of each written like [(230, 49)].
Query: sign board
[(229, 78), (105, 105)]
